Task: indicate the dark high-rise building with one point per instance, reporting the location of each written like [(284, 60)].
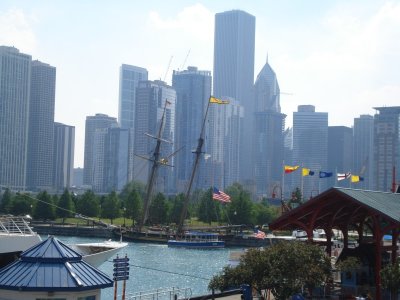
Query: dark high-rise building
[(234, 43), (193, 89), (340, 154), (93, 124), (363, 157), (151, 97), (269, 123), (386, 146), (63, 156), (41, 126), (15, 81), (310, 148)]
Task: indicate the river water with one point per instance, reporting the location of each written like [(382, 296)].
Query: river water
[(154, 266)]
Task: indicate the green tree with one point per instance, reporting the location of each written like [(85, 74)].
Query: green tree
[(21, 205), (6, 199), (176, 208), (390, 277), (111, 206), (285, 268), (88, 204), (264, 214), (66, 206), (133, 204), (240, 210), (208, 209), (129, 187), (158, 210), (44, 208)]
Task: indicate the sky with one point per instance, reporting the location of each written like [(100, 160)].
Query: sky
[(343, 56)]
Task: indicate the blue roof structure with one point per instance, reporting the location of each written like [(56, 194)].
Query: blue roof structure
[(52, 266)]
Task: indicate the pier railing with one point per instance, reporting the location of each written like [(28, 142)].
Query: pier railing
[(161, 294)]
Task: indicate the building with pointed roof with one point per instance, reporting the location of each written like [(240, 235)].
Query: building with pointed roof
[(53, 269)]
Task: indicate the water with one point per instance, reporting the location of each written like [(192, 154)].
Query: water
[(154, 266)]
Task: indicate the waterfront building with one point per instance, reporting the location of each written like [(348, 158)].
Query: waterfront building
[(129, 77), (77, 178), (151, 97), (269, 123), (234, 43), (193, 90), (93, 123), (340, 154), (63, 155), (386, 146), (363, 156), (310, 148), (41, 127), (15, 78)]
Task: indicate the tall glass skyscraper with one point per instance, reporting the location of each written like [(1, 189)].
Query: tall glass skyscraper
[(310, 148), (41, 126), (129, 77), (269, 123), (15, 81), (234, 43), (193, 89)]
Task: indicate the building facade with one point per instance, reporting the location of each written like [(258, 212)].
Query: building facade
[(386, 146), (268, 128), (63, 156), (363, 156), (193, 90), (234, 44), (310, 148), (41, 126), (15, 81)]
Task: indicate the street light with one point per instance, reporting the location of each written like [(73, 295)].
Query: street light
[(124, 215)]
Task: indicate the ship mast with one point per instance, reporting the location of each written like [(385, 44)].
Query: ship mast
[(197, 152), (154, 169)]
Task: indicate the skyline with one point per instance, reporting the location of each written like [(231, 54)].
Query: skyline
[(331, 55)]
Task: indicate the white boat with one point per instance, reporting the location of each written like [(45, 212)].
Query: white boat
[(97, 253), (17, 236), (200, 240)]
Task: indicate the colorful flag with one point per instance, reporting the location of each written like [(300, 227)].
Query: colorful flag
[(290, 169), (342, 176), (325, 174), (356, 178), (220, 196), (259, 234), (307, 172), (218, 101)]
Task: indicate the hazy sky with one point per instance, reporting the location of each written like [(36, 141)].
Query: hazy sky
[(341, 56)]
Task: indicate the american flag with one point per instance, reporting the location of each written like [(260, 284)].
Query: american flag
[(260, 234), (220, 196)]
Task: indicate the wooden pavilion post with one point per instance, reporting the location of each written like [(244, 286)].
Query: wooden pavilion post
[(378, 234)]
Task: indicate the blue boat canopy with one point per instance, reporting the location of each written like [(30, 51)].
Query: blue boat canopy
[(52, 266)]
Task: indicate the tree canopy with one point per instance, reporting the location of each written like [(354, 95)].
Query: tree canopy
[(285, 268)]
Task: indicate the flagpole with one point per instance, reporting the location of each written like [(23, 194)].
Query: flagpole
[(283, 180), (302, 182)]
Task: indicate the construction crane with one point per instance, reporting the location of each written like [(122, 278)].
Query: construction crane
[(169, 65), (184, 62)]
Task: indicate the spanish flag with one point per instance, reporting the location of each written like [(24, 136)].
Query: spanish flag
[(218, 101), (290, 169)]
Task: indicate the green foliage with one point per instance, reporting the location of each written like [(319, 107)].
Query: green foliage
[(240, 210), (21, 205), (66, 204), (264, 214), (158, 210), (208, 209), (5, 205), (349, 264), (285, 268), (133, 205), (111, 207), (44, 208), (88, 204), (129, 187), (390, 277)]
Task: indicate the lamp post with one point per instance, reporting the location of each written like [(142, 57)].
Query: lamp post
[(124, 215)]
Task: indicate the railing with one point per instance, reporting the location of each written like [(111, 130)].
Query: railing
[(161, 294), (14, 225)]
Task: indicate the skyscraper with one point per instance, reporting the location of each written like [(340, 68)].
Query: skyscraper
[(63, 156), (310, 148), (151, 97), (340, 153), (269, 123), (94, 123), (363, 156), (41, 126), (386, 146), (129, 77), (193, 89), (15, 79), (234, 43)]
